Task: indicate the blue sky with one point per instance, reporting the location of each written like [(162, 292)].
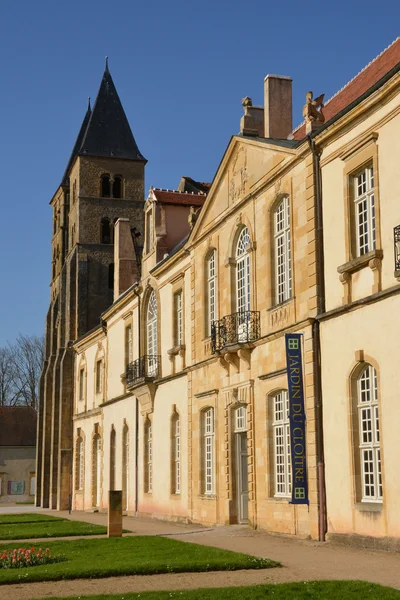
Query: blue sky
[(180, 68)]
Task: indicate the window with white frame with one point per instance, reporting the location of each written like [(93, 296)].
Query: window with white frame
[(148, 482), (211, 290), (369, 438), (81, 384), (240, 419), (128, 345), (79, 464), (208, 450), (96, 470), (243, 271), (281, 433), (99, 377), (125, 466), (364, 200), (152, 316), (283, 261), (112, 459), (178, 319), (176, 454), (149, 231)]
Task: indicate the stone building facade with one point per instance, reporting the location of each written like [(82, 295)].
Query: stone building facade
[(181, 391)]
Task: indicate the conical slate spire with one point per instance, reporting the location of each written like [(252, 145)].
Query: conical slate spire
[(108, 132), (77, 146)]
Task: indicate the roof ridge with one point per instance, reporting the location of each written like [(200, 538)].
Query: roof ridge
[(178, 192), (353, 78)]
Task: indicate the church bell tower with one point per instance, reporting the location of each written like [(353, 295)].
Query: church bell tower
[(103, 181)]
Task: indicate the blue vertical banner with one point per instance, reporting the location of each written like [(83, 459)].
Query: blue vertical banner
[(297, 418)]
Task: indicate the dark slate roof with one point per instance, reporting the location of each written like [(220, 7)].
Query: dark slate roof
[(17, 426), (77, 146), (108, 132), (105, 130)]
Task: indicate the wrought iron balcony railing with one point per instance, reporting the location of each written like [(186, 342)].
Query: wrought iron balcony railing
[(145, 367), (397, 247), (238, 328)]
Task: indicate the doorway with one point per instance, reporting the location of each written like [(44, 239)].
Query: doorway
[(241, 467)]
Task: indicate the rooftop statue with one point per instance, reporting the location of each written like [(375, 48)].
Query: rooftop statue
[(310, 110)]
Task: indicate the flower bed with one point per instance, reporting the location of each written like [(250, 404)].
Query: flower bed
[(26, 557)]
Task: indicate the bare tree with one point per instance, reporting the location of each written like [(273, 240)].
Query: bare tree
[(9, 395), (20, 366)]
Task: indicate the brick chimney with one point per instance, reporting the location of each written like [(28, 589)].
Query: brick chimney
[(277, 106), (125, 266)]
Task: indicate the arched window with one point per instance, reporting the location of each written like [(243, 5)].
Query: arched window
[(125, 467), (117, 187), (369, 437), (211, 273), (175, 454), (283, 260), (79, 461), (148, 457), (112, 459), (208, 451), (105, 186), (105, 234), (96, 470), (281, 435), (111, 276), (243, 271), (152, 322)]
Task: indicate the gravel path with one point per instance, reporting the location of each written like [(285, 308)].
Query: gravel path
[(302, 560)]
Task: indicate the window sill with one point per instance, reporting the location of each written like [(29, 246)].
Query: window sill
[(360, 262), (285, 499), (207, 496), (281, 304), (369, 506)]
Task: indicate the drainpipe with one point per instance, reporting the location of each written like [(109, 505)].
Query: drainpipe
[(136, 291), (320, 284)]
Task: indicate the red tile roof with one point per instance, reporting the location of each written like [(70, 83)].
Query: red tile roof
[(17, 426), (178, 198), (370, 75)]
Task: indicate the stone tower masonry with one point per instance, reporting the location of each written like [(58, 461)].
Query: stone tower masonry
[(103, 181)]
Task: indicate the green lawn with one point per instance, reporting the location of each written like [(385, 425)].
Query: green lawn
[(323, 590), (27, 518), (144, 555), (30, 526)]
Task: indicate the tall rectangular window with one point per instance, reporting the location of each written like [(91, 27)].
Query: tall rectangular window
[(281, 429), (364, 199), (81, 384), (128, 345), (208, 450), (211, 290), (176, 454), (149, 231), (79, 464), (178, 319), (283, 260), (148, 457), (99, 377), (369, 436)]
